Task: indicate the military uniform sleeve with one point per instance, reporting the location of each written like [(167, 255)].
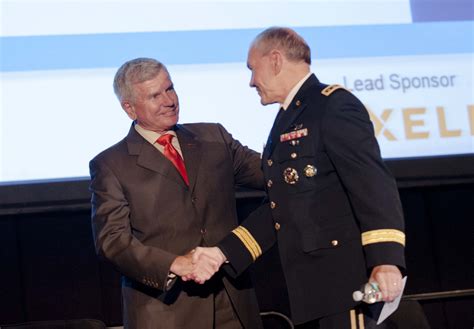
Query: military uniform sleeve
[(246, 243), (112, 233), (352, 147)]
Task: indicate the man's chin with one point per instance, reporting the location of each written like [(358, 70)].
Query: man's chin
[(265, 102), (174, 121)]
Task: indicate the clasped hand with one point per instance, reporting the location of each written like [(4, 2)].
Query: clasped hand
[(199, 265)]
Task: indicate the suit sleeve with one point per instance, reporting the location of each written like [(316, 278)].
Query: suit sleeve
[(112, 233), (246, 163), (352, 147), (256, 234)]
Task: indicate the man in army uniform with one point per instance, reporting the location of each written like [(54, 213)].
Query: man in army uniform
[(333, 206)]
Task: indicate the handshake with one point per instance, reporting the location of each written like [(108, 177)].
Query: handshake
[(199, 265)]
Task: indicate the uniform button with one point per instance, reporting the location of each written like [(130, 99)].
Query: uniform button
[(298, 102), (269, 183), (277, 226), (334, 243), (203, 231), (193, 199), (273, 205), (269, 162), (293, 155)]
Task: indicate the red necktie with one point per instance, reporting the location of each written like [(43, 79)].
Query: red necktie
[(173, 155)]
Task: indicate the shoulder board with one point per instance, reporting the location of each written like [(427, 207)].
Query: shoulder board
[(331, 88)]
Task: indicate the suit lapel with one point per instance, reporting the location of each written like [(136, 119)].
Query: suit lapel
[(150, 158), (192, 152), (294, 110)]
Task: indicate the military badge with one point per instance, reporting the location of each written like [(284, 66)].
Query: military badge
[(310, 171), (290, 175), (294, 135), (297, 126)]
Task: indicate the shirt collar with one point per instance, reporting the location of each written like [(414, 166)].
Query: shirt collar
[(294, 91), (149, 135)]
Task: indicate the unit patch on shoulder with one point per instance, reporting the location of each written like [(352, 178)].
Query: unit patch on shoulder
[(332, 88)]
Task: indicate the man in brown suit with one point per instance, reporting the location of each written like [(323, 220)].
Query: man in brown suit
[(150, 209)]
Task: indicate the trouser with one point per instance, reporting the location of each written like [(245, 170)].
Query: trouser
[(358, 318)]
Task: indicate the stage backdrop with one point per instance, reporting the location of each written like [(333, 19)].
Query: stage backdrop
[(410, 61)]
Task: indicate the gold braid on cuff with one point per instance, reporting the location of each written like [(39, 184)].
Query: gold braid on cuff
[(249, 242), (384, 235)]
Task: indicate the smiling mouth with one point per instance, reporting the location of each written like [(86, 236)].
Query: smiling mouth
[(170, 112)]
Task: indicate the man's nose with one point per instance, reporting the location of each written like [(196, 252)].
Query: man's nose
[(252, 83), (168, 100)]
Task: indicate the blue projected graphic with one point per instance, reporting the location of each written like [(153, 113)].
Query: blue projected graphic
[(223, 46), (441, 10)]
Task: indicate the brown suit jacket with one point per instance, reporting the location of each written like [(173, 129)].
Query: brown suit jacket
[(143, 216)]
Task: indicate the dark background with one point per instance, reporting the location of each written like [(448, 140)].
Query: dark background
[(49, 269)]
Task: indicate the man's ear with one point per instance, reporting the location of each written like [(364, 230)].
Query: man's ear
[(128, 108), (276, 58)]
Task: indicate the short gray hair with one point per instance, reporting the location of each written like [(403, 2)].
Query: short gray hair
[(135, 71), (286, 40)]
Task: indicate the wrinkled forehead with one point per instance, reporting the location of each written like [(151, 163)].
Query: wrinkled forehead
[(253, 56)]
